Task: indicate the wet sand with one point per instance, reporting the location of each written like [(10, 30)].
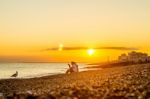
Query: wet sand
[(109, 83)]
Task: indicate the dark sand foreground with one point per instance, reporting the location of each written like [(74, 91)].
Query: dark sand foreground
[(110, 83)]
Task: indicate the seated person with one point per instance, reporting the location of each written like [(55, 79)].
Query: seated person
[(72, 68)]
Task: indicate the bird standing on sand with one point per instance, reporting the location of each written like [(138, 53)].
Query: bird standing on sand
[(15, 75)]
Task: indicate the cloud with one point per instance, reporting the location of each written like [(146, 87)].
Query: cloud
[(85, 48), (119, 48)]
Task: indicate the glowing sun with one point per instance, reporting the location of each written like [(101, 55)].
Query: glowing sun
[(90, 51)]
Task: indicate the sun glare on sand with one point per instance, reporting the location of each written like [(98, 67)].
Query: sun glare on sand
[(90, 52)]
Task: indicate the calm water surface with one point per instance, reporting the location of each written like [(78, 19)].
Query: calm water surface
[(30, 70)]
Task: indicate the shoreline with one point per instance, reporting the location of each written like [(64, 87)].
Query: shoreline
[(34, 70), (124, 82), (52, 74), (30, 77)]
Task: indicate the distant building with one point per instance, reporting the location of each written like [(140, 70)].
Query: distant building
[(135, 57), (123, 58)]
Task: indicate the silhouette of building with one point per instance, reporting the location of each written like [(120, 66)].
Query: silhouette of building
[(135, 57)]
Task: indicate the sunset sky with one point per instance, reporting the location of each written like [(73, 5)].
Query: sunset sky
[(31, 29)]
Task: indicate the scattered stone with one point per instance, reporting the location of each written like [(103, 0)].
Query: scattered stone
[(110, 83)]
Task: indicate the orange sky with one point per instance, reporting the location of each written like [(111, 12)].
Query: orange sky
[(27, 27)]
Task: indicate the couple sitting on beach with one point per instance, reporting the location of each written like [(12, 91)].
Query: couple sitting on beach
[(73, 67)]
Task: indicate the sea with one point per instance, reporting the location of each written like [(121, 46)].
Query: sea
[(32, 70)]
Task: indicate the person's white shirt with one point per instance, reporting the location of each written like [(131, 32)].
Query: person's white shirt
[(75, 67)]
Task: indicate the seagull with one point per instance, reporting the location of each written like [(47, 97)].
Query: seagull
[(15, 75)]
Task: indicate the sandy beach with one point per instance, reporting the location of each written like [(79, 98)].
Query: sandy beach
[(110, 83)]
